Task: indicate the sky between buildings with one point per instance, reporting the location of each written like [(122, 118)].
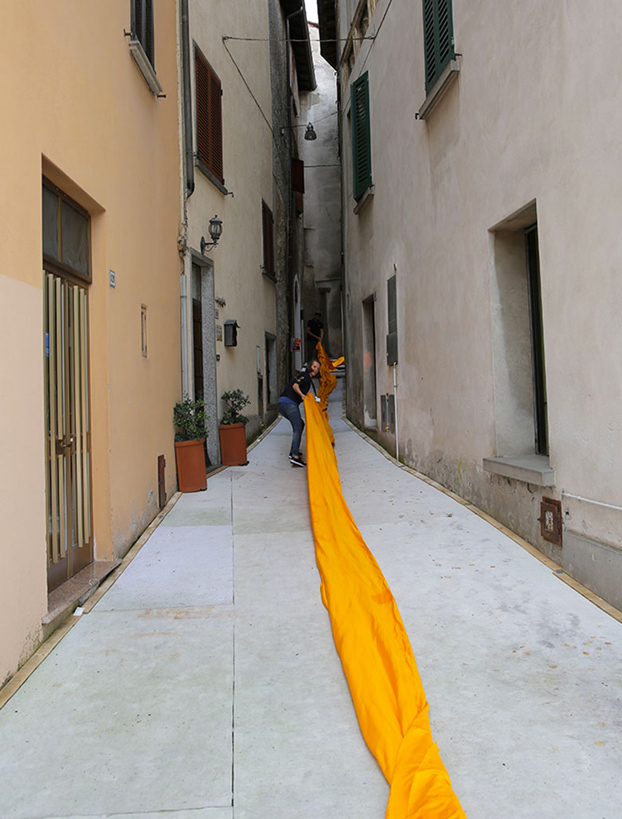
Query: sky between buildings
[(311, 7)]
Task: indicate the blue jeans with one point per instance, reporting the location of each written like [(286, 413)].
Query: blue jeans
[(292, 413)]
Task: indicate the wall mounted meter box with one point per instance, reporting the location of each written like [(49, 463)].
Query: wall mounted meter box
[(231, 333)]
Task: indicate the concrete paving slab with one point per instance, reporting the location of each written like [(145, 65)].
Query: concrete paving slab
[(117, 720), (271, 499), (209, 508), (263, 513), (292, 699), (177, 567)]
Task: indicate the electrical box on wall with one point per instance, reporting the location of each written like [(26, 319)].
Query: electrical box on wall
[(231, 333), (387, 413), (551, 520)]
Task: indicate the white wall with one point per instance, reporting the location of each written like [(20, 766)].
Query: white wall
[(249, 297), (534, 116)]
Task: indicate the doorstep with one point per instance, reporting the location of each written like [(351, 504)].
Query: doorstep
[(74, 592)]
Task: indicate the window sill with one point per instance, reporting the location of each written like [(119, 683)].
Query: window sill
[(145, 67), (535, 469), (365, 198), (270, 276), (210, 176), (439, 89)]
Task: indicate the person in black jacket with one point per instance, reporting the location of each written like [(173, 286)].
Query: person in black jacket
[(289, 407)]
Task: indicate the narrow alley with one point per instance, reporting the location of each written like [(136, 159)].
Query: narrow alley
[(205, 683), (206, 203)]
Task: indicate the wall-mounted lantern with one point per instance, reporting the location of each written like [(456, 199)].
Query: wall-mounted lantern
[(215, 231)]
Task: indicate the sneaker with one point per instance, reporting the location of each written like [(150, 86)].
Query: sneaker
[(296, 460)]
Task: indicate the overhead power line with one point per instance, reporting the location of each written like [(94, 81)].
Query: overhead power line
[(293, 40)]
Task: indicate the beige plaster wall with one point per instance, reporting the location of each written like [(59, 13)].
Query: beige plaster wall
[(22, 521), (77, 108), (247, 168), (533, 116)]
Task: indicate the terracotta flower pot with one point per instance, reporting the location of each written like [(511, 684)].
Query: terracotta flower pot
[(191, 471), (233, 444)]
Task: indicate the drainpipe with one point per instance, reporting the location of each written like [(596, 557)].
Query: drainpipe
[(186, 86), (397, 427), (187, 190), (290, 197)]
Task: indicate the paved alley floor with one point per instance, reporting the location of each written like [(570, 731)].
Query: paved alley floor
[(205, 683)]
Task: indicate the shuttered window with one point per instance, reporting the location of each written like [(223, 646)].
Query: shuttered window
[(438, 39), (392, 321), (142, 26), (392, 303), (361, 136), (209, 117), (268, 241)]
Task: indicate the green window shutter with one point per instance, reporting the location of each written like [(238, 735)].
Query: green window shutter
[(392, 323), (392, 303), (361, 137), (438, 39)]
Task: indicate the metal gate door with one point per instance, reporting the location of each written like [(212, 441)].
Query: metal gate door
[(68, 472)]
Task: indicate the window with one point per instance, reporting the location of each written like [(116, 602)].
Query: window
[(142, 26), (141, 43), (209, 119), (358, 16), (438, 39), (518, 352), (392, 321), (267, 224), (537, 341), (66, 234), (361, 137), (369, 362)]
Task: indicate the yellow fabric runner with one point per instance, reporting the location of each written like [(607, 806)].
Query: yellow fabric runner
[(373, 645)]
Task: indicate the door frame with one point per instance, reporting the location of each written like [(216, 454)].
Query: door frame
[(68, 467)]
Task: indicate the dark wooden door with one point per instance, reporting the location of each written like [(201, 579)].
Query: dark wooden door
[(197, 334)]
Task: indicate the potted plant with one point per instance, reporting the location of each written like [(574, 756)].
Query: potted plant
[(190, 419), (232, 428)]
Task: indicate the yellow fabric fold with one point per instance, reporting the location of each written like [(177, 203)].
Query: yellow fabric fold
[(373, 645), (328, 382)]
